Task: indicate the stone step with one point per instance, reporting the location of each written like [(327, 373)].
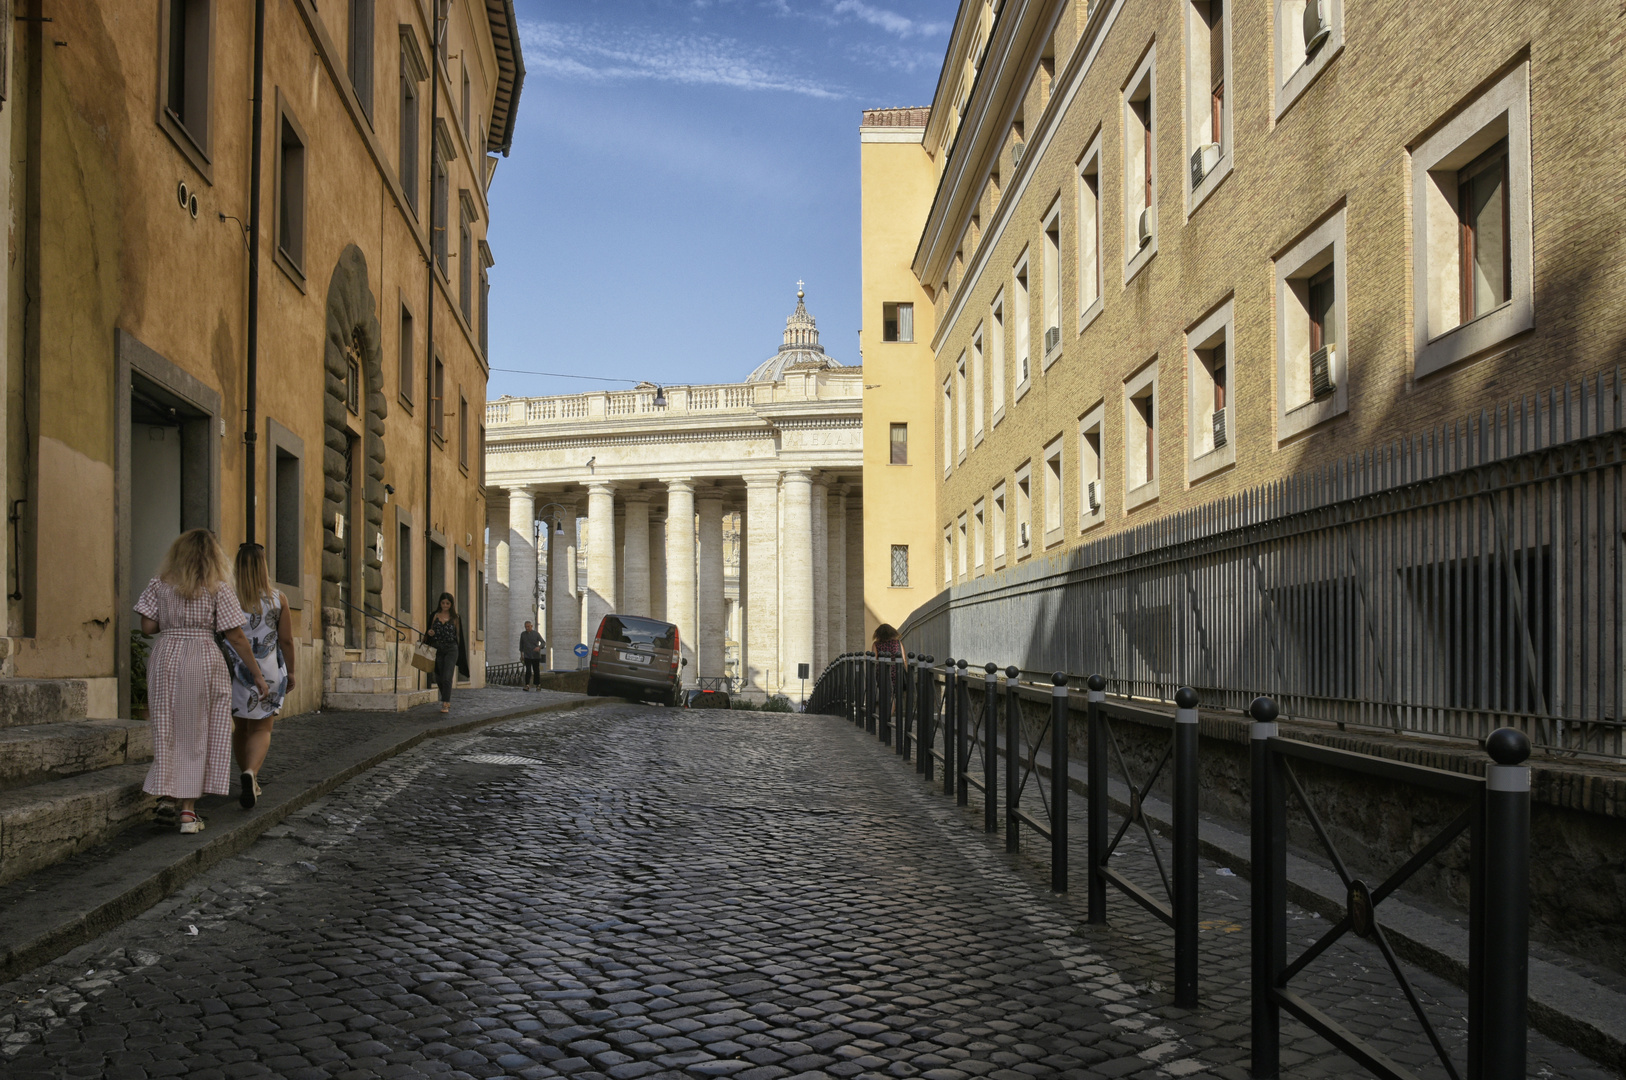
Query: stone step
[(376, 702), (367, 669), (34, 753), (25, 702), (45, 823)]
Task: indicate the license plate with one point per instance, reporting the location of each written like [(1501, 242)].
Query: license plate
[(634, 658)]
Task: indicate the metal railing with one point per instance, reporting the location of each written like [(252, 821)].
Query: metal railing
[(1467, 579), (395, 626), (1497, 819), (512, 674)]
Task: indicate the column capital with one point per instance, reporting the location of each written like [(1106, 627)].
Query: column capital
[(521, 493), (762, 480), (635, 496), (797, 476), (601, 487), (679, 485), (708, 494)]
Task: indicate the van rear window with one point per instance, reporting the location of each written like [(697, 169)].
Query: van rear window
[(630, 630)]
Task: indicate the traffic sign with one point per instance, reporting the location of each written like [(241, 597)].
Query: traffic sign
[(581, 650)]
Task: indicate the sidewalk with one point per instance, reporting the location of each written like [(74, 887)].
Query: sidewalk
[(65, 905)]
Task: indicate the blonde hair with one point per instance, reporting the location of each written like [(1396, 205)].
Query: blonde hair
[(253, 580), (193, 563)]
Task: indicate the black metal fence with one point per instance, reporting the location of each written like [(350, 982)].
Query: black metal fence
[(505, 674), (923, 711)]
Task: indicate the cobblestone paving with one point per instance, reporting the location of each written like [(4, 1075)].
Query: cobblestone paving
[(628, 892)]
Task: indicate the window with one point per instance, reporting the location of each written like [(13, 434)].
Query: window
[(1052, 493), (403, 567), (485, 300), (1311, 361), (437, 399), (465, 259), (1052, 287), (900, 444), (978, 516), (1140, 167), (948, 554), (352, 385), (1089, 235), (467, 113), (1471, 230), (1140, 438), (442, 47), (437, 208), (1092, 493), (1021, 318), (1209, 371), (187, 69), (897, 322), (948, 425), (413, 72), (976, 386), (1024, 510), (996, 358), (408, 348), (463, 432), (1208, 115), (462, 586), (959, 411), (900, 566), (480, 594), (960, 538), (480, 448), (285, 556), (291, 197), (361, 52), (1309, 33), (996, 526)]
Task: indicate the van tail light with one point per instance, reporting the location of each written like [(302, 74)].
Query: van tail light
[(677, 649)]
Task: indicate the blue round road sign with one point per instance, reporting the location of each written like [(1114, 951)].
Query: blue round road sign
[(581, 650)]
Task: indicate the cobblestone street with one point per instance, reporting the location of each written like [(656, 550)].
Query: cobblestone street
[(626, 892)]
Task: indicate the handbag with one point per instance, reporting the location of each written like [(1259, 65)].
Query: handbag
[(423, 658)]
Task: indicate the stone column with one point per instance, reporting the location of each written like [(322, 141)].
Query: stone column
[(657, 564), (742, 677), (680, 567), (564, 607), (620, 556), (521, 575), (837, 576), (762, 582), (796, 566), (601, 598), (709, 580), (496, 597), (821, 575), (635, 574), (857, 630)]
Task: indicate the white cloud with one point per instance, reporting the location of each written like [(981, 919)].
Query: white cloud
[(602, 54), (890, 21)]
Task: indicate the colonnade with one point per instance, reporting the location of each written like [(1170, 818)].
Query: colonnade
[(656, 548)]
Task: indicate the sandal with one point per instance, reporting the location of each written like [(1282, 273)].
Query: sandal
[(445, 708), (191, 822)]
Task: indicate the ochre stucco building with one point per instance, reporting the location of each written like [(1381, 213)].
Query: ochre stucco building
[(330, 409)]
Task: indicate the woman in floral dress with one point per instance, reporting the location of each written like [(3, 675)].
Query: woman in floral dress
[(272, 639), (188, 688)]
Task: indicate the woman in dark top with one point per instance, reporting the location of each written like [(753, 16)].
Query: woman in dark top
[(445, 633), (887, 643)]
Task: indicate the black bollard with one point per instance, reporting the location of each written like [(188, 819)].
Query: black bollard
[(923, 721), (990, 748), (1268, 813), (883, 698), (962, 732), (1185, 848), (1058, 782), (1503, 979), (1013, 759), (948, 726), (1096, 763)]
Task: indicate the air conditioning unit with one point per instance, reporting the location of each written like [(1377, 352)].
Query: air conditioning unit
[(1022, 534), (1317, 25), (1092, 495), (1203, 160), (1219, 428), (1143, 226), (1017, 150), (1052, 339), (1321, 364)]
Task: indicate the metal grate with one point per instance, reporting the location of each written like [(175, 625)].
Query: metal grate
[(1219, 428), (1321, 362), (900, 566)]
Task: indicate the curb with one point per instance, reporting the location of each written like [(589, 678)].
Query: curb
[(113, 896)]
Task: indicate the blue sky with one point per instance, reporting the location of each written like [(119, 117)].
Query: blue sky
[(678, 165)]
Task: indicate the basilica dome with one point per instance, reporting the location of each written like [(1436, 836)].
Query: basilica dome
[(800, 350)]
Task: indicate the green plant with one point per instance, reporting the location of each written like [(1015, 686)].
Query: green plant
[(140, 649), (776, 703)]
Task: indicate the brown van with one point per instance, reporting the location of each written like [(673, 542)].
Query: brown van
[(637, 658)]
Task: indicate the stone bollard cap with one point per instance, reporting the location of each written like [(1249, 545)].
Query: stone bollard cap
[(1096, 683), (1263, 709), (910, 655), (1012, 672), (1186, 697), (1059, 678), (1507, 746), (991, 668), (961, 664)]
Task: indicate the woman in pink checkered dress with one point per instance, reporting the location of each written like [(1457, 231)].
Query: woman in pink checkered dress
[(188, 686)]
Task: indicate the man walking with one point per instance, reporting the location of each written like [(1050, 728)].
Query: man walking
[(530, 653)]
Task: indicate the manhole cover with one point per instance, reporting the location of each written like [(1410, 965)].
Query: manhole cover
[(503, 759)]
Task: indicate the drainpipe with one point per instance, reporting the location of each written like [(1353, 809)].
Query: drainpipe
[(256, 139), (429, 363)]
